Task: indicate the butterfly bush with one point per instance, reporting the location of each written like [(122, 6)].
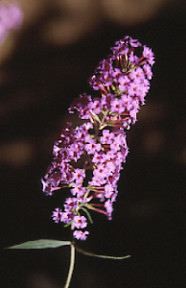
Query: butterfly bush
[(88, 158), (11, 18)]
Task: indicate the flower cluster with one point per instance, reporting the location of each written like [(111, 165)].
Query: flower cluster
[(10, 18), (88, 158)]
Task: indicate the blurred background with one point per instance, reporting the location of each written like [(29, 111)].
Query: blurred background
[(45, 64)]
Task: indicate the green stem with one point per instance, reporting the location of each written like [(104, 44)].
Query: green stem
[(71, 267)]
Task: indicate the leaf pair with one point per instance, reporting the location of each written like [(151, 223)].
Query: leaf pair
[(47, 244)]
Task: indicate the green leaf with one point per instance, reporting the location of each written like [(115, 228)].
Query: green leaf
[(87, 253), (111, 257), (40, 244)]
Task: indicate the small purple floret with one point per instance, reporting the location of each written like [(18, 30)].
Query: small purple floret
[(80, 235)]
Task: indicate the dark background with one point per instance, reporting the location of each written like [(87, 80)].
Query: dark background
[(39, 79)]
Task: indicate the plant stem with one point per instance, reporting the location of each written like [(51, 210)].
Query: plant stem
[(71, 267)]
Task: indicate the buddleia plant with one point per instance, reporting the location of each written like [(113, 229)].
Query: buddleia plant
[(88, 157)]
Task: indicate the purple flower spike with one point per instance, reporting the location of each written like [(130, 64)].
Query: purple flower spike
[(88, 158)]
